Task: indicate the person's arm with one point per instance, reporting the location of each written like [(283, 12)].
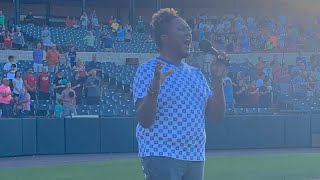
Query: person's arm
[(216, 103), (15, 86), (147, 106), (25, 100), (27, 86)]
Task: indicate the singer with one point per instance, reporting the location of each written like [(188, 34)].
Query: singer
[(172, 99)]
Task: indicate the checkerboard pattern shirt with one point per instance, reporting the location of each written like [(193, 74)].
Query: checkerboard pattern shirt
[(179, 128)]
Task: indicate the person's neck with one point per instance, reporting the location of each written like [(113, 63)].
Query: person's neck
[(170, 56)]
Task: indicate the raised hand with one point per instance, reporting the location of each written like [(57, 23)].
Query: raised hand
[(159, 77)]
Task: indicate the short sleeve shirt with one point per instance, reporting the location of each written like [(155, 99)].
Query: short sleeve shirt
[(179, 128)]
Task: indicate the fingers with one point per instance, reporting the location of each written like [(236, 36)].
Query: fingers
[(157, 70), (169, 72)]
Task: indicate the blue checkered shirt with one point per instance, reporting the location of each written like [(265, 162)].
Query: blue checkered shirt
[(179, 128)]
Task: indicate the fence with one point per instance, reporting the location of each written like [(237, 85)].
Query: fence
[(113, 135)]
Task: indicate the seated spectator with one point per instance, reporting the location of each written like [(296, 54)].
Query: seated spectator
[(58, 109), (92, 88), (38, 59), (228, 94), (44, 83), (30, 83), (89, 41), (18, 40), (140, 25), (53, 58), (120, 33), (10, 69), (17, 84), (253, 92), (5, 98), (265, 92), (78, 85), (69, 100), (72, 54), (22, 104), (46, 37), (29, 19), (8, 40), (128, 33), (2, 33), (59, 83)]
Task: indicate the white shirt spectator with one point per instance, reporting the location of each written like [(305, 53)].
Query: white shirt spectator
[(7, 67)]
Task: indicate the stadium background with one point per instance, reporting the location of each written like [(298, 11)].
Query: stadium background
[(245, 128)]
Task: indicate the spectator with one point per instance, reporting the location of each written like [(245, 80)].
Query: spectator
[(53, 58), (18, 40), (140, 25), (115, 25), (89, 41), (228, 94), (240, 94), (72, 54), (38, 59), (58, 109), (8, 40), (299, 84), (30, 83), (94, 20), (23, 103), (2, 20), (120, 33), (80, 68), (69, 100), (77, 86), (92, 88), (17, 84), (84, 21), (2, 33), (29, 19), (111, 20), (128, 33), (59, 83), (260, 66), (68, 22), (253, 92), (5, 98), (267, 71), (259, 81), (75, 23), (10, 69), (96, 65), (46, 37), (265, 92), (107, 43), (44, 82)]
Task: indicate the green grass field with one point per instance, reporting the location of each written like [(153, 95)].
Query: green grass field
[(249, 167)]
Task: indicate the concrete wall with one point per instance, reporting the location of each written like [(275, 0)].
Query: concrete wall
[(120, 58)]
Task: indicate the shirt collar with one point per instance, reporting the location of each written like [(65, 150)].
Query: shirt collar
[(170, 62)]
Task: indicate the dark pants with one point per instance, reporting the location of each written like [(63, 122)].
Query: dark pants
[(23, 114), (164, 168), (44, 96), (17, 46), (6, 110), (32, 95)]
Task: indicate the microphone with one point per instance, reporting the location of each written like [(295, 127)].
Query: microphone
[(206, 47)]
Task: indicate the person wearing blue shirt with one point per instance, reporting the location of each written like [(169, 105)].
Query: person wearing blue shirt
[(72, 54), (172, 100), (38, 59)]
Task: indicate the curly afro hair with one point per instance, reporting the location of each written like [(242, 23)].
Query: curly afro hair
[(160, 22)]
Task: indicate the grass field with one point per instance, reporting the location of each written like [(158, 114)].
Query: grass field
[(248, 167)]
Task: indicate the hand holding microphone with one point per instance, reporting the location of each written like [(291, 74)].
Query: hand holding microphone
[(206, 47)]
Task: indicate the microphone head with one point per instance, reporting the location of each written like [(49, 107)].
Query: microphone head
[(205, 46)]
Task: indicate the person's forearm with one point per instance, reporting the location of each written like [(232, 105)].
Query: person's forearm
[(216, 103), (146, 111)]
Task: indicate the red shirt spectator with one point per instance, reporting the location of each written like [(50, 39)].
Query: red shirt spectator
[(30, 81), (53, 56), (5, 92), (7, 40), (253, 95), (44, 81)]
